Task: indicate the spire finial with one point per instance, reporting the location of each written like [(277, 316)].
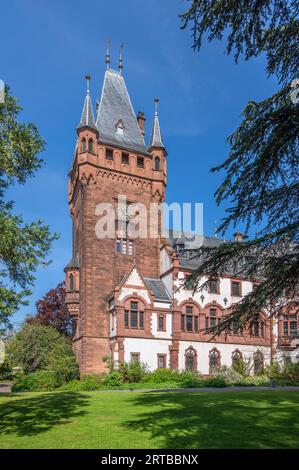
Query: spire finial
[(107, 61), (120, 62), (87, 77), (156, 106)]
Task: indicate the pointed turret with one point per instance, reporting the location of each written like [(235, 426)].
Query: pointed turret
[(156, 137), (87, 117)]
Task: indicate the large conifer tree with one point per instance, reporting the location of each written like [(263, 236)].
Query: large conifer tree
[(261, 170)]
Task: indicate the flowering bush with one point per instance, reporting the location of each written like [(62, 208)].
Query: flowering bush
[(228, 374)]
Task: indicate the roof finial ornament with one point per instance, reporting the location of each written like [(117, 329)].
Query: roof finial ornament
[(120, 62), (108, 53), (87, 83), (156, 106)]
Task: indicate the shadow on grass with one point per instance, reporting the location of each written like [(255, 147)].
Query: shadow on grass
[(36, 414), (200, 420)]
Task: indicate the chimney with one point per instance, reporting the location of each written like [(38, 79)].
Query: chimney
[(141, 122), (238, 236)]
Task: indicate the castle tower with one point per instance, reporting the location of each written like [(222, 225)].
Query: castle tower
[(111, 160)]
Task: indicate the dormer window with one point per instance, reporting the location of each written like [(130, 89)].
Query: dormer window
[(120, 128)]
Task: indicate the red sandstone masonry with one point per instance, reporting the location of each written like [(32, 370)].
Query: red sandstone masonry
[(94, 180)]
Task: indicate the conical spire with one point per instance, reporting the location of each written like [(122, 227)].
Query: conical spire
[(116, 120), (156, 137), (87, 117)]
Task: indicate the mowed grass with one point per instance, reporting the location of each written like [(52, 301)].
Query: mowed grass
[(128, 420)]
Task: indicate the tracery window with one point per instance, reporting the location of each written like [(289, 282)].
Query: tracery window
[(190, 359), (258, 363), (214, 359)]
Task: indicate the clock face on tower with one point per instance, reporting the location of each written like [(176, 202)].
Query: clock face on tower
[(125, 213)]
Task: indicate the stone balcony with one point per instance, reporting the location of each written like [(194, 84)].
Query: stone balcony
[(72, 297), (72, 300)]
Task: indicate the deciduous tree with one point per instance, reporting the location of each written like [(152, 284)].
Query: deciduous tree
[(51, 310), (23, 246)]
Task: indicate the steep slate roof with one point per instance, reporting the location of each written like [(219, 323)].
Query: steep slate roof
[(159, 289), (115, 105), (156, 137), (87, 117), (189, 242), (74, 263), (193, 240)]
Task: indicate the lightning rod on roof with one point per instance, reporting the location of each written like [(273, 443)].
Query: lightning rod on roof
[(156, 106), (107, 61), (120, 61), (87, 77)]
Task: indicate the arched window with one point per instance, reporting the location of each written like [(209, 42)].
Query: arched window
[(190, 319), (214, 359), (90, 146), (72, 283), (134, 314), (237, 359), (211, 317), (258, 329), (258, 363), (157, 163), (83, 145), (190, 359)]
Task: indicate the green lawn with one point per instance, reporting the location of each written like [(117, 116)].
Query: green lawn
[(264, 419)]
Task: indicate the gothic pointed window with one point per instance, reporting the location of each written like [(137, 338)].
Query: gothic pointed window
[(237, 359), (83, 145), (214, 359), (72, 284), (190, 359), (157, 163), (90, 146), (258, 363)]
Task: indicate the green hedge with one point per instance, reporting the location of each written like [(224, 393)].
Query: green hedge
[(37, 381), (134, 376)]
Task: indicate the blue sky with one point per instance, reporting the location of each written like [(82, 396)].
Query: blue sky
[(48, 46)]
